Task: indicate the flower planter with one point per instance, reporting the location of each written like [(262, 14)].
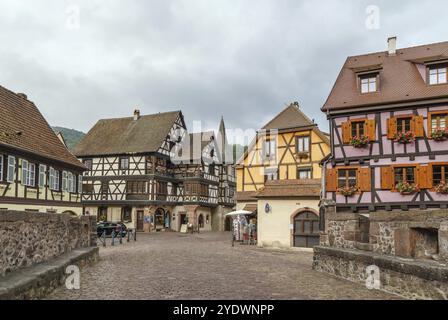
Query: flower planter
[(442, 188), (359, 142), (407, 189), (439, 135), (404, 137), (347, 192)]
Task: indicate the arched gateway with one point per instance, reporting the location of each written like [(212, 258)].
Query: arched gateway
[(306, 229)]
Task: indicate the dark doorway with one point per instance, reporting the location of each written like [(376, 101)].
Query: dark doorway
[(159, 219), (201, 221), (228, 224), (167, 220), (306, 230), (140, 220)]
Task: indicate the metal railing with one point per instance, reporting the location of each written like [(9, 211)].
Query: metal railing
[(131, 234)]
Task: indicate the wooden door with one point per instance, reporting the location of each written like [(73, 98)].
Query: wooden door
[(140, 220), (306, 230)]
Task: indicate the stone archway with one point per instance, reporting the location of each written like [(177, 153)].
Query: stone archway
[(305, 232)]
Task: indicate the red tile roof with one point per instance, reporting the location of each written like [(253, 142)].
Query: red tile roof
[(23, 127), (400, 79)]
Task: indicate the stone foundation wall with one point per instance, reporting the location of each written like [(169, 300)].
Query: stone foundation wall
[(28, 238), (409, 279)]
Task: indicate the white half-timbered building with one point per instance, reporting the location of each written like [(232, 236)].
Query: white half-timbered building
[(148, 172)]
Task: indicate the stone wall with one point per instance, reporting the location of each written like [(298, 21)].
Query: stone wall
[(28, 238), (407, 278)]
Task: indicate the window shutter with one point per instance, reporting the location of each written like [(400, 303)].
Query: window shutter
[(424, 177), (365, 179), (346, 132), (391, 128), (370, 130), (387, 178), (418, 126), (331, 180)]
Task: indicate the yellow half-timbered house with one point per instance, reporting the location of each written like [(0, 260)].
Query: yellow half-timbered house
[(279, 178)]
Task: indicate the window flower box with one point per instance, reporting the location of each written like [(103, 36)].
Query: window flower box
[(442, 188), (359, 141), (302, 155), (404, 137), (347, 191), (439, 134), (406, 188)]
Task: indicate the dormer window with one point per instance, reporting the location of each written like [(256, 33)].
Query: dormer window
[(369, 83), (438, 75)]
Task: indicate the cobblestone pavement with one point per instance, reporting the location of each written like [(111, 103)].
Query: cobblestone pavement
[(205, 266)]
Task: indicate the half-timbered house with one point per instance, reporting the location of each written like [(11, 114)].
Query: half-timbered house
[(386, 179), (37, 172), (279, 178), (147, 171)]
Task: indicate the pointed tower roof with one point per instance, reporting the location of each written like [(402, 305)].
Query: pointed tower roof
[(223, 145), (291, 117)]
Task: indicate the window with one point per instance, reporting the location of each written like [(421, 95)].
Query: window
[(211, 169), (270, 174), (104, 187), (347, 178), (439, 121), (126, 214), (124, 163), (54, 179), (162, 188), (303, 144), (358, 128), (303, 174), (269, 149), (437, 75), (11, 169), (136, 187), (439, 174), (64, 181), (80, 184), (404, 174), (88, 164), (1, 167), (42, 175), (174, 189), (71, 185), (369, 83), (404, 124), (28, 173)]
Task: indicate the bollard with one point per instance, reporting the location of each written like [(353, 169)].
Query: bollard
[(121, 235), (129, 235), (104, 238), (113, 238), (135, 234)]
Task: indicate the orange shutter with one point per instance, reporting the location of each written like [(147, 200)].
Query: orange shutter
[(424, 177), (387, 178), (391, 128), (346, 132), (331, 180), (365, 179), (418, 126), (370, 130)]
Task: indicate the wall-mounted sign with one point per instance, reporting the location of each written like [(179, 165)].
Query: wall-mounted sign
[(267, 208)]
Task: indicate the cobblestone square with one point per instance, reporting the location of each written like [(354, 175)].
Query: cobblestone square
[(205, 266)]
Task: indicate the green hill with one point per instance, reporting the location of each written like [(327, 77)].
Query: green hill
[(71, 136)]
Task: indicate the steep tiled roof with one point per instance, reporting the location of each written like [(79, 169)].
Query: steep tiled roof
[(290, 188), (400, 78), (126, 135), (22, 126), (291, 117)]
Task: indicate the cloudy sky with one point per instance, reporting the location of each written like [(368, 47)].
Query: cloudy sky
[(83, 60)]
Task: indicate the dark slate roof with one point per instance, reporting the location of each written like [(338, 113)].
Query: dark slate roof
[(127, 136), (400, 79), (22, 126)]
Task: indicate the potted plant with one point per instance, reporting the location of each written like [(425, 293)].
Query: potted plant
[(404, 137), (439, 134), (347, 191), (359, 142), (442, 188), (406, 188)]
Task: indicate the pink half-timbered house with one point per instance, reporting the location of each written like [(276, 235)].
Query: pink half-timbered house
[(388, 115)]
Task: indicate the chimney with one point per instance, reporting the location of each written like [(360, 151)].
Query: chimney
[(136, 114), (392, 46), (296, 104), (22, 95)]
